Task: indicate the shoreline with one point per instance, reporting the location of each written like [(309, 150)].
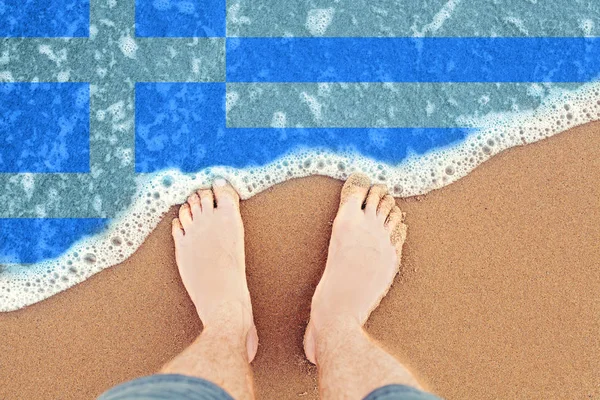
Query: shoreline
[(417, 174), (496, 296)]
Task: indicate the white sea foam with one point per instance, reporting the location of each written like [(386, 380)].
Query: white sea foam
[(418, 174), (57, 57), (234, 16), (6, 76), (28, 182), (231, 98), (279, 120), (313, 105), (517, 23), (196, 64), (93, 31), (63, 76), (128, 46), (318, 20), (162, 5), (5, 58), (324, 89), (186, 7), (438, 19)]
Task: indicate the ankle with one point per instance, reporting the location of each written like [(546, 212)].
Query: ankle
[(331, 337), (232, 320), (335, 329)]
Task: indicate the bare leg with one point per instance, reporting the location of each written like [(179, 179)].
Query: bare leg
[(364, 256), (209, 248)]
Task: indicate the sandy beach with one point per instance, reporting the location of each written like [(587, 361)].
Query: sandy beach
[(497, 296)]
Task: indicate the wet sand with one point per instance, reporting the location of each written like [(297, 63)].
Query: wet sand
[(497, 297)]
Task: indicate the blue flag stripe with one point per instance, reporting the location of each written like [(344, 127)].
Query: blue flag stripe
[(412, 59)]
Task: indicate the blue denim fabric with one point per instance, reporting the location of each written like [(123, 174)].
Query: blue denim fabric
[(163, 387), (399, 392), (181, 387)]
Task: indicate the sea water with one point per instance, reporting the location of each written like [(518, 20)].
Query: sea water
[(104, 131)]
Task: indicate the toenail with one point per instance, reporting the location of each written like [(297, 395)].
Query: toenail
[(220, 182)]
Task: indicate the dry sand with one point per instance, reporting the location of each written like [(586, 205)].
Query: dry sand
[(498, 295)]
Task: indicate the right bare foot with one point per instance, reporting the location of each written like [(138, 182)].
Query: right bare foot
[(209, 249), (364, 257)]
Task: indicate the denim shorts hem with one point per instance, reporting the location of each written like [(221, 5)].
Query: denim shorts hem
[(166, 386)]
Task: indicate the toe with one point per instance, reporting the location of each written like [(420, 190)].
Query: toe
[(385, 206), (185, 216), (398, 237), (194, 202), (394, 218), (207, 200), (176, 228), (355, 190), (396, 226), (376, 193), (225, 194)]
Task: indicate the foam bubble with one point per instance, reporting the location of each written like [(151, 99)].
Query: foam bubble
[(63, 76), (128, 46), (587, 26), (117, 111), (231, 97), (279, 120), (5, 58), (82, 97), (125, 155), (186, 7), (196, 63), (93, 31), (313, 105), (28, 183), (418, 174), (438, 19), (56, 57), (430, 108), (318, 20), (324, 89), (6, 76), (517, 23), (162, 5), (234, 17)]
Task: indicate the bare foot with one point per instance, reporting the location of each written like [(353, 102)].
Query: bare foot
[(209, 249), (364, 257)]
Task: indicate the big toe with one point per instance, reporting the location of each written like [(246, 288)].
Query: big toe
[(225, 194), (355, 190)]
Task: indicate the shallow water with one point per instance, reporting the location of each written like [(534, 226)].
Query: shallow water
[(112, 113)]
